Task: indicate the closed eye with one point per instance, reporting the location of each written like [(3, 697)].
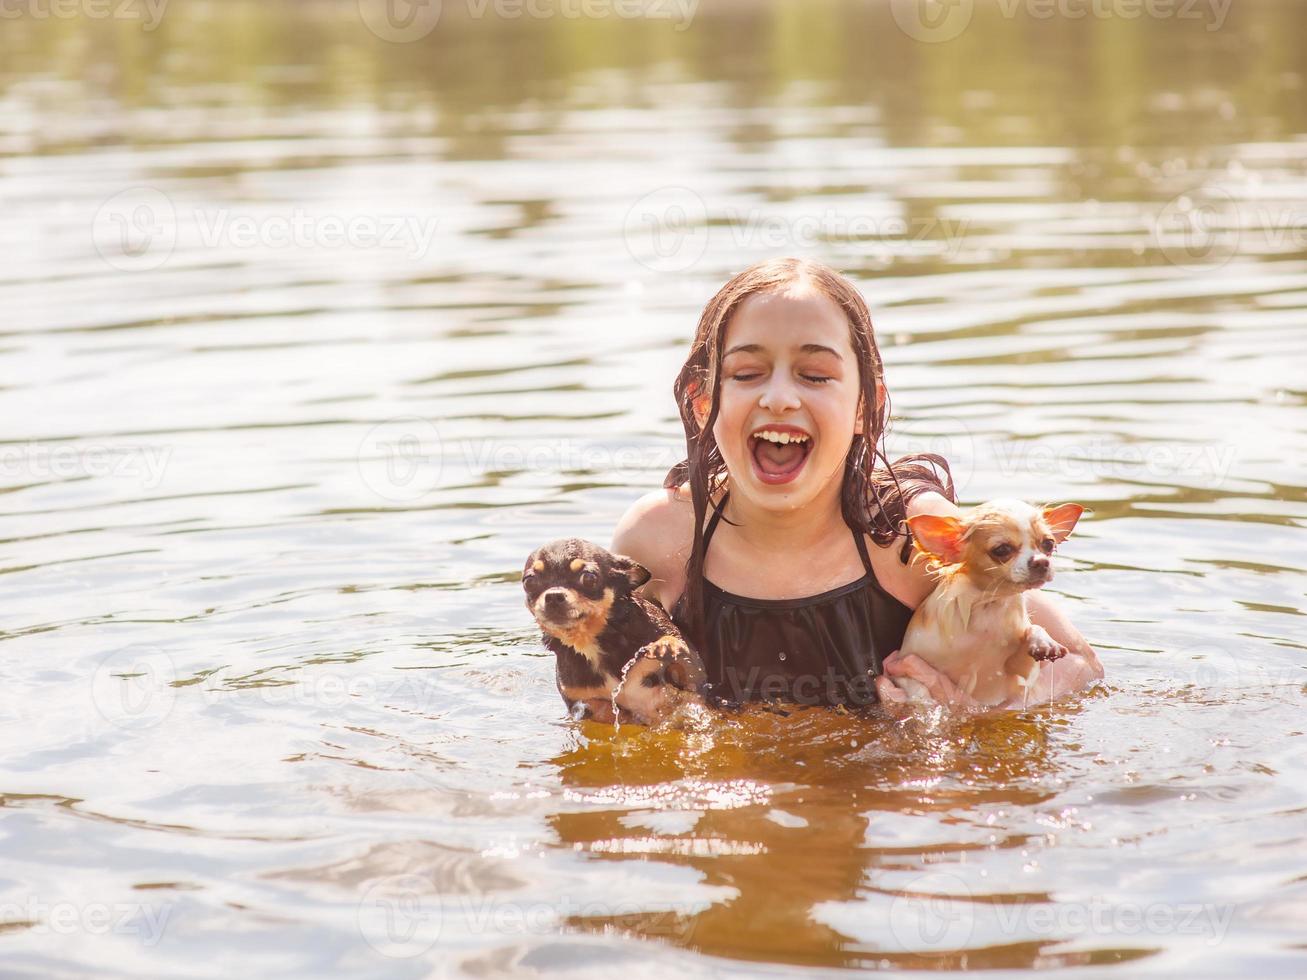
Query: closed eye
[(816, 379), (744, 377)]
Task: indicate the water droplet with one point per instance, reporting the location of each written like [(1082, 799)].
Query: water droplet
[(782, 655)]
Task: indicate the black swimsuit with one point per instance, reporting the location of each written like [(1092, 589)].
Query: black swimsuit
[(821, 649)]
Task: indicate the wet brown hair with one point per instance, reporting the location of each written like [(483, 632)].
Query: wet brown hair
[(873, 497)]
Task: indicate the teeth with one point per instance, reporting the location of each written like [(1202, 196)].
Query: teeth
[(784, 438)]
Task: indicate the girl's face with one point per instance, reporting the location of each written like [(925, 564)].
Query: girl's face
[(788, 403)]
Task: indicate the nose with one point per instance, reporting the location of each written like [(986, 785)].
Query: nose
[(779, 394), (555, 599), (1039, 566)]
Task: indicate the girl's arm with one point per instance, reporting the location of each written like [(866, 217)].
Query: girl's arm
[(1046, 612), (651, 533)]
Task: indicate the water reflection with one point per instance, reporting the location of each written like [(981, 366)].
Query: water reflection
[(807, 819)]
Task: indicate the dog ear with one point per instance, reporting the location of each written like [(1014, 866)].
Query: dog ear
[(938, 536), (629, 573), (1062, 519)]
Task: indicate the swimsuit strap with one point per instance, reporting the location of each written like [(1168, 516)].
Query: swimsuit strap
[(862, 550), (712, 521)]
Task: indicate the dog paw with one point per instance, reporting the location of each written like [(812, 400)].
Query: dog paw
[(666, 648), (680, 665), (1043, 647), (662, 676)]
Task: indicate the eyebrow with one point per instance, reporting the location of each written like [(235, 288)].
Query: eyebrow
[(805, 348)]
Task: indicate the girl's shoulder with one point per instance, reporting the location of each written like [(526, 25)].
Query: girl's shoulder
[(658, 532), (909, 583), (932, 502)]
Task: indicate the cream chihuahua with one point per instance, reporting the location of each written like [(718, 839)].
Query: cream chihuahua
[(974, 627)]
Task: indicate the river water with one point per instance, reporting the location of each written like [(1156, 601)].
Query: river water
[(313, 328)]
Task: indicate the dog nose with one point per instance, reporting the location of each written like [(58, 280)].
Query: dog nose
[(1039, 566), (555, 598)]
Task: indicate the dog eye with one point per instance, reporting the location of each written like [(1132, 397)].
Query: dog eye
[(1002, 552), (1046, 546), (528, 576), (589, 580)]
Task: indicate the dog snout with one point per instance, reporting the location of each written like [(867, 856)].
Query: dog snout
[(555, 600), (1040, 568)]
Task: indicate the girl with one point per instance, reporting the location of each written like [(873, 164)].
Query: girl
[(809, 585)]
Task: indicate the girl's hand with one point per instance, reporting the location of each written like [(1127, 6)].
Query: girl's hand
[(943, 690)]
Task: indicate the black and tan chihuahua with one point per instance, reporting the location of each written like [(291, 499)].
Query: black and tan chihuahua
[(619, 656)]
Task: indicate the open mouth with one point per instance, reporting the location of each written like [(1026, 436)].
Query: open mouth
[(779, 452)]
